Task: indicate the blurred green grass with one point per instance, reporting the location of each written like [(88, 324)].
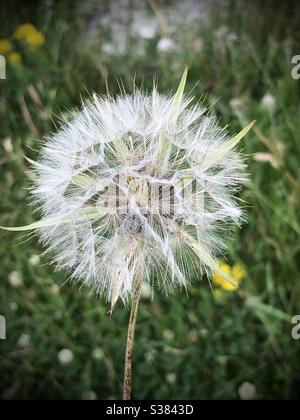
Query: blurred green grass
[(188, 347)]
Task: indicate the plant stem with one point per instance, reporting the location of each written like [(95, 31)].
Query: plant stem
[(130, 339)]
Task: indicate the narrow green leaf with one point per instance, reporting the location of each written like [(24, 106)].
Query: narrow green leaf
[(79, 180), (256, 303), (88, 212), (241, 134), (37, 164), (205, 257), (35, 225), (180, 91), (224, 148)]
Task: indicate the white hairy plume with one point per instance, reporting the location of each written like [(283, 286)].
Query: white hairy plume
[(142, 184)]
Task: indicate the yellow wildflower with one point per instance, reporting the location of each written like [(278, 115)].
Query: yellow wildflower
[(30, 34), (5, 46), (14, 58), (220, 280), (238, 273), (235, 273), (35, 40), (24, 30)]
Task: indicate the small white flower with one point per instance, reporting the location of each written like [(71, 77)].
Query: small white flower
[(203, 332), (98, 353), (146, 290), (168, 335), (7, 145), (268, 101), (145, 28), (109, 48), (147, 31), (247, 391), (24, 340), (34, 260), (150, 355), (171, 378), (65, 357), (15, 279), (165, 45), (237, 104)]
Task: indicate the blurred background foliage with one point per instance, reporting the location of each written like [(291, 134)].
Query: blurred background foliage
[(237, 344)]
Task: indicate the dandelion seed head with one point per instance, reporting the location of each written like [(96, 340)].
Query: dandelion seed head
[(98, 353), (247, 391), (171, 378), (24, 340), (15, 279), (142, 184), (8, 145), (65, 357), (34, 260), (165, 45), (268, 102)]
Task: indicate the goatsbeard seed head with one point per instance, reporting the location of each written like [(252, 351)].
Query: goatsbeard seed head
[(141, 184)]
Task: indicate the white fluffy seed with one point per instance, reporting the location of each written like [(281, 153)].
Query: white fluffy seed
[(96, 177), (65, 357)]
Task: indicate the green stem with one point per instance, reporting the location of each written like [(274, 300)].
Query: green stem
[(130, 339)]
